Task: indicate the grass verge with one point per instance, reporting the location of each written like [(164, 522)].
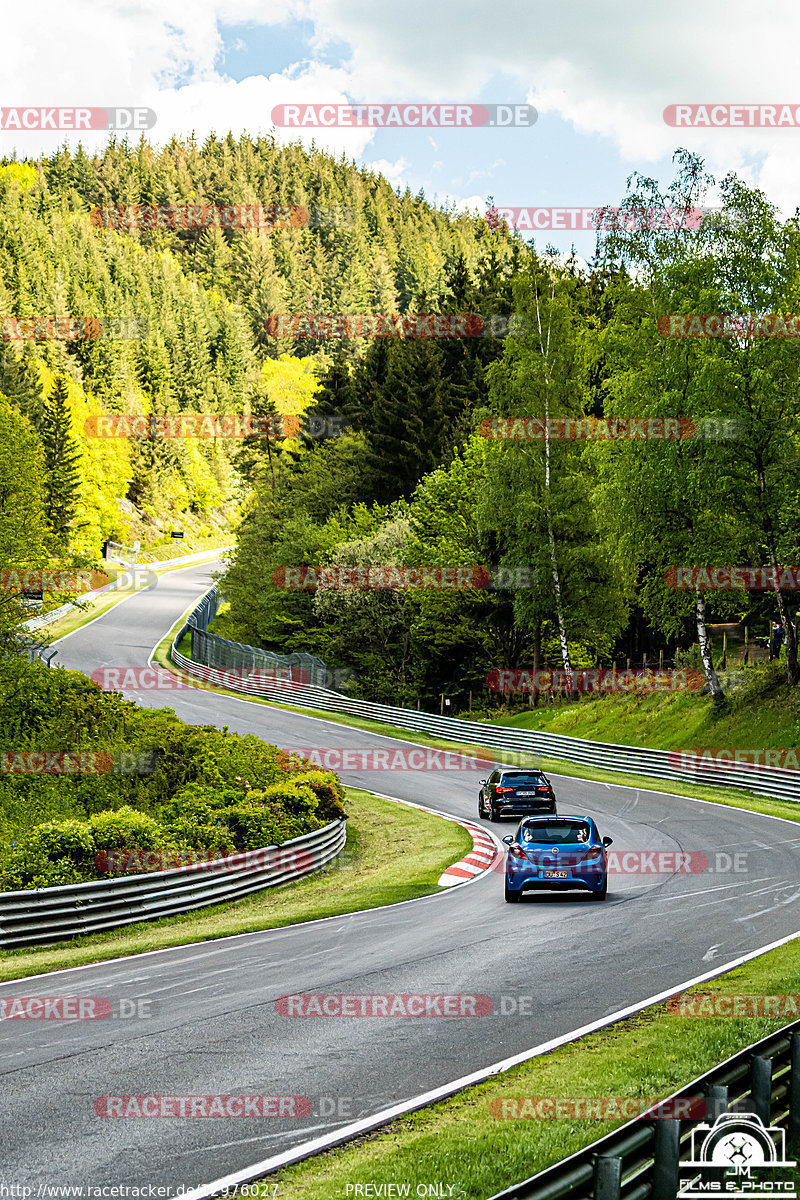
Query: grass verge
[(459, 1143), (364, 876), (733, 797), (101, 604)]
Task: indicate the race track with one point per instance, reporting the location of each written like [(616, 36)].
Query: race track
[(215, 1028)]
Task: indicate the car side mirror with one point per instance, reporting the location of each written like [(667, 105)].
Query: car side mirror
[(509, 841), (483, 781), (608, 841)]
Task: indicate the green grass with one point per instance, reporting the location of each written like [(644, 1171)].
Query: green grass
[(101, 604), (459, 1142), (393, 853), (768, 715), (733, 797)]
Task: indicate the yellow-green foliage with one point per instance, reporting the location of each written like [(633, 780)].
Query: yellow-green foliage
[(290, 383)]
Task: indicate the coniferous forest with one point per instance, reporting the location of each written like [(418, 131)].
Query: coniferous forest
[(394, 463)]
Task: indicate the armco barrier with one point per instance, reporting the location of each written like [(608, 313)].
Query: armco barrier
[(44, 915), (642, 1158), (635, 760), (55, 614), (220, 654)]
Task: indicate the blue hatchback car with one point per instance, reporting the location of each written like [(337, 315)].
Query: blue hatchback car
[(557, 854)]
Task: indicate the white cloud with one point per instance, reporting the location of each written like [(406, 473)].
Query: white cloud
[(609, 73), (393, 171)]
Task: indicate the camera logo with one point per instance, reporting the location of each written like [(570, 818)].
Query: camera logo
[(729, 1151)]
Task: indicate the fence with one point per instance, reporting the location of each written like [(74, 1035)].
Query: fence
[(116, 552), (222, 655), (641, 1160), (56, 613), (39, 650), (45, 915), (636, 760)]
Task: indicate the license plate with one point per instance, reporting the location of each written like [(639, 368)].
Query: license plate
[(526, 793), (556, 874)]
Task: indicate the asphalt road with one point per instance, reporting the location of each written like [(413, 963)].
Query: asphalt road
[(211, 1026)]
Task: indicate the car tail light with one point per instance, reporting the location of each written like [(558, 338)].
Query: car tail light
[(546, 790), (516, 851), (503, 791), (592, 855)]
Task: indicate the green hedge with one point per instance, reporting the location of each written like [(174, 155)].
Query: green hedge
[(207, 790)]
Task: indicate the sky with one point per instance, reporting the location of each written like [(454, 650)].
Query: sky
[(599, 76)]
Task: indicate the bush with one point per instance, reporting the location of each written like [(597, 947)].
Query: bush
[(328, 789), (71, 841), (125, 829), (53, 854), (211, 839), (199, 803)]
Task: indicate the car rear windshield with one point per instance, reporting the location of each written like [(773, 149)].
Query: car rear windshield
[(556, 832), (518, 781)]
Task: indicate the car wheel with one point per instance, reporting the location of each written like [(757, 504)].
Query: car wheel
[(602, 895), (481, 813), (493, 812), (512, 894)]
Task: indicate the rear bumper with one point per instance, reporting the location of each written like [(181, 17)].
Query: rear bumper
[(534, 882), (524, 808)]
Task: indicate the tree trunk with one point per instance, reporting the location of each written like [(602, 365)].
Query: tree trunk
[(792, 669), (717, 694), (537, 660), (562, 631)]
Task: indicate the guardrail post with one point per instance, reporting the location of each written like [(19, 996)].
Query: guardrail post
[(666, 1153), (794, 1089), (716, 1102), (761, 1087), (607, 1178)]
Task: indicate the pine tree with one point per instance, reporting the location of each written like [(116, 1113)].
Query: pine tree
[(407, 435), (19, 382), (61, 460), (249, 458)]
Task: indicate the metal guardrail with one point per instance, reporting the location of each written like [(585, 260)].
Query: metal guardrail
[(211, 650), (635, 760), (38, 650), (65, 609), (641, 1160), (117, 552), (44, 915)]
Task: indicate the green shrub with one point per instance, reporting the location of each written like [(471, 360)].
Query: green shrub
[(209, 838), (125, 829), (71, 841), (328, 789)]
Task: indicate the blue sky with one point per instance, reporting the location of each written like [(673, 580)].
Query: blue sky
[(599, 75)]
